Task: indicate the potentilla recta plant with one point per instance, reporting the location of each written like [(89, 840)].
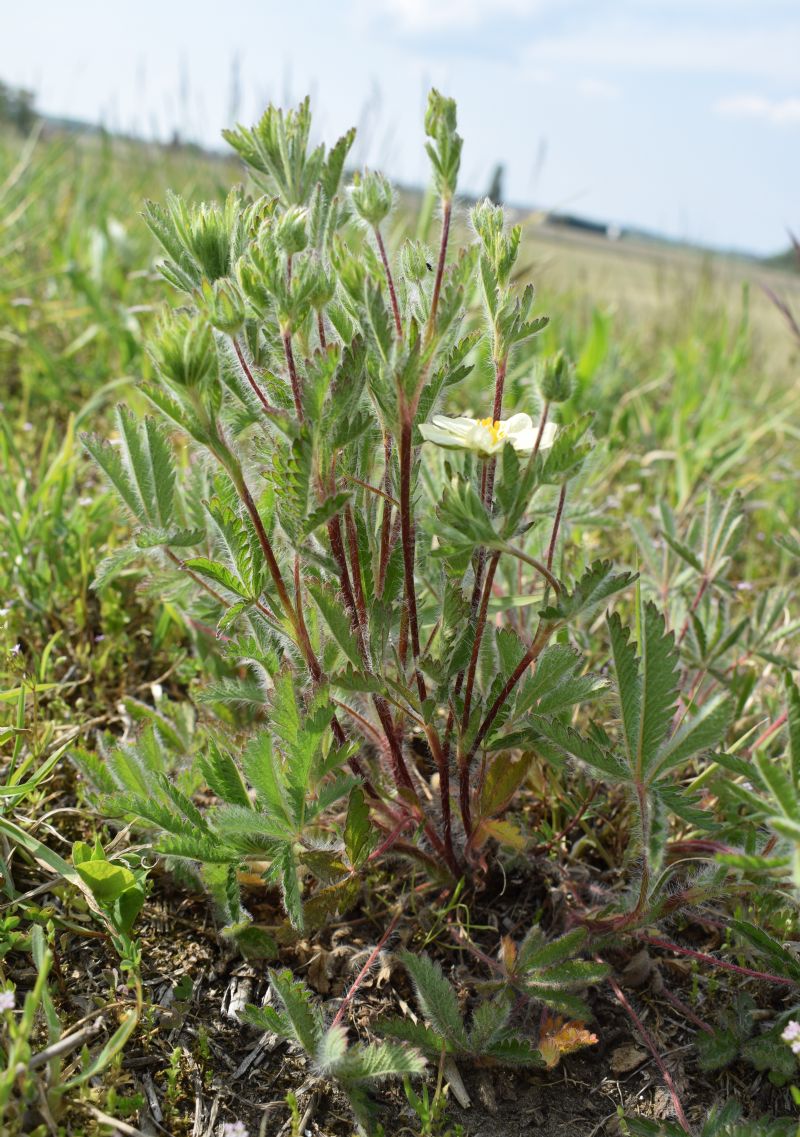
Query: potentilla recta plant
[(389, 574)]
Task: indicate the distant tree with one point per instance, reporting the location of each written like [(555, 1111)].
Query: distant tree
[(17, 107), (495, 190)]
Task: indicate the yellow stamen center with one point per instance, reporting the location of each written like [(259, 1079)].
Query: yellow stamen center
[(495, 428)]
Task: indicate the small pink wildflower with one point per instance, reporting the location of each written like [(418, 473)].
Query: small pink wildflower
[(235, 1129), (7, 1000), (791, 1035)]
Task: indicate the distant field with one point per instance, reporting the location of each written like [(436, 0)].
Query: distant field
[(652, 286)]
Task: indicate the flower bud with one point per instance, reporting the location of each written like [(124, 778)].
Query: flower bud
[(185, 353), (291, 233), (414, 261), (372, 197), (322, 288), (558, 379), (224, 305)]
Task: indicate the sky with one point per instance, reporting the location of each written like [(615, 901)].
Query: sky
[(678, 116)]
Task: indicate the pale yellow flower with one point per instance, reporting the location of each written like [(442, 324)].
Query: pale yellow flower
[(487, 437)]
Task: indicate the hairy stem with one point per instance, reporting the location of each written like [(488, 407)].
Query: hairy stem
[(704, 957), (551, 550), (447, 208), (651, 1046), (476, 645), (408, 541), (293, 377), (528, 658), (359, 979), (268, 407), (386, 516), (398, 323)]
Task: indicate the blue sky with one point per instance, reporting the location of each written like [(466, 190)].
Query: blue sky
[(682, 116)]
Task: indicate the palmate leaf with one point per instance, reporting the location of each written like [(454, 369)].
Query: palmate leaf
[(110, 462), (695, 736), (536, 951), (238, 538), (648, 691), (514, 1052), (151, 465), (554, 685), (262, 770), (659, 690), (329, 793), (338, 621), (112, 565), (437, 998), (250, 830), (423, 1037), (269, 1020), (192, 847), (378, 1060), (598, 584), (302, 742), (222, 776), (301, 1014), (780, 958), (490, 1022), (717, 1050), (793, 720), (324, 512), (283, 871), (153, 810), (220, 574), (775, 777), (359, 836), (585, 750), (629, 683)]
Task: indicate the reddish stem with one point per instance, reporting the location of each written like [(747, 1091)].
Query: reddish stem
[(476, 644), (355, 565), (293, 377), (551, 551), (408, 541), (773, 726), (398, 323), (386, 518), (528, 658), (723, 963), (695, 604), (270, 410), (651, 1046), (437, 287), (359, 979)]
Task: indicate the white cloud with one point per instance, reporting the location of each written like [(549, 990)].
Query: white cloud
[(599, 89), (439, 15), (779, 112), (635, 45)]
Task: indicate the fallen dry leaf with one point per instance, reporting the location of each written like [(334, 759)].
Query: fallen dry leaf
[(626, 1058)]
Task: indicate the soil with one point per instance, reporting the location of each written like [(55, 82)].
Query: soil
[(191, 1065)]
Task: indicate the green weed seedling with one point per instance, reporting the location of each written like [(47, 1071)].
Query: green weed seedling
[(353, 1067), (488, 1039), (51, 1073), (430, 1111), (736, 1036), (119, 890)]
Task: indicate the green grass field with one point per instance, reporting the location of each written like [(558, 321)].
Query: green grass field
[(690, 371)]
